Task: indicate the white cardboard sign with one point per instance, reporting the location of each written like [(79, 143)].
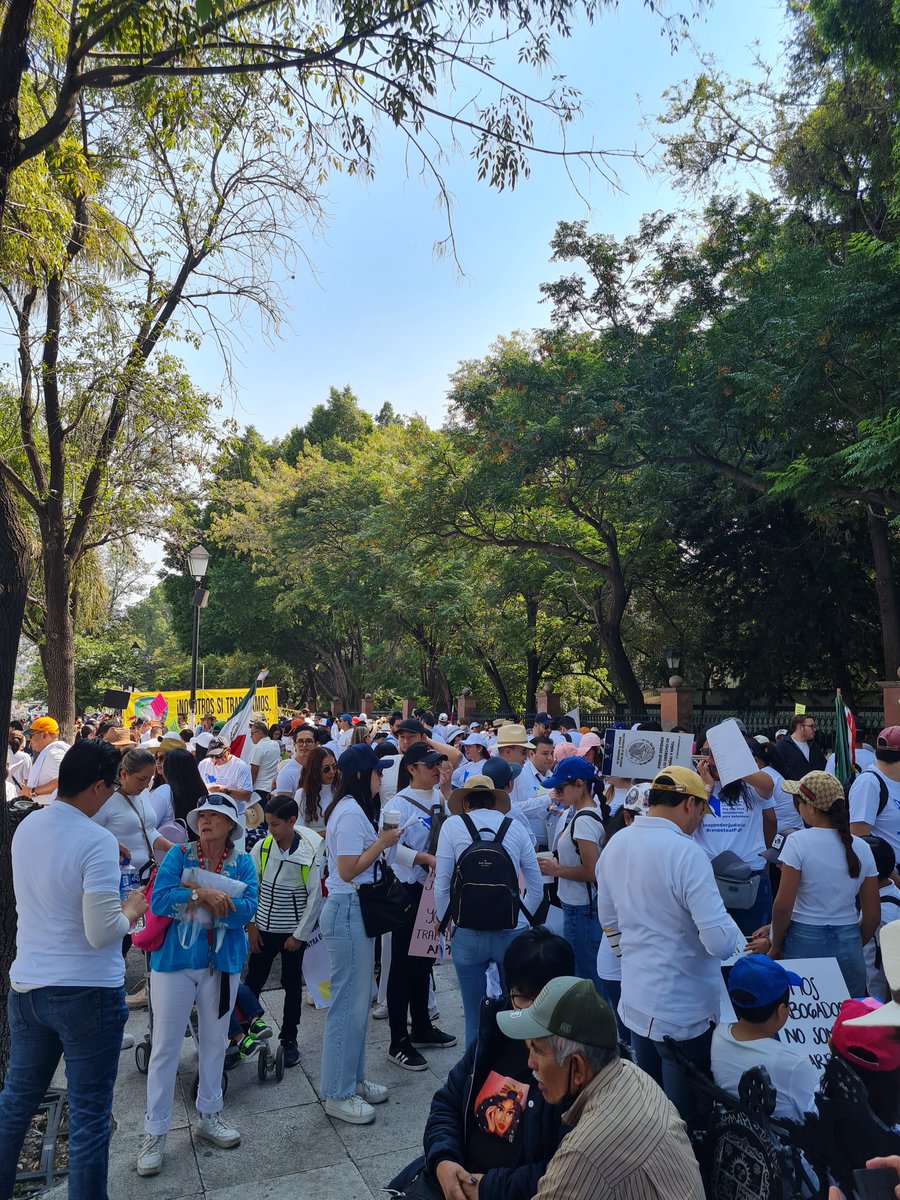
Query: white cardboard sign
[(640, 753), (731, 752), (814, 1006)]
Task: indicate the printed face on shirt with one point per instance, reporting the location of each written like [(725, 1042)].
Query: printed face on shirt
[(500, 1105)]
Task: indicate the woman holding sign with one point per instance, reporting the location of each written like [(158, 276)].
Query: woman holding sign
[(824, 867)]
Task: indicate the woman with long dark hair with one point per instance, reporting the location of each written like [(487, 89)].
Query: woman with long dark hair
[(824, 867), (353, 844), (184, 780), (321, 781)]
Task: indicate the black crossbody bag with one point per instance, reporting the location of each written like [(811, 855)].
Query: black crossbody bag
[(385, 904)]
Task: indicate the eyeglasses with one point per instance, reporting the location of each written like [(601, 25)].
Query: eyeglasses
[(520, 999), (304, 742)]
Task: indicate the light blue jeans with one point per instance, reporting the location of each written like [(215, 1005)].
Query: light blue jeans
[(582, 931), (842, 942), (472, 952), (352, 954)]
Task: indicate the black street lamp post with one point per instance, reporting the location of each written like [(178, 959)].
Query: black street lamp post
[(198, 561)]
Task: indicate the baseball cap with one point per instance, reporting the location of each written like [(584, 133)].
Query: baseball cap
[(781, 733), (359, 758), (543, 719), (411, 725), (500, 772), (756, 980), (637, 798), (421, 752), (260, 723), (682, 779), (345, 717), (888, 739), (569, 769), (568, 1007), (443, 718), (817, 788), (871, 1047), (44, 725), (215, 748), (474, 726), (773, 853)]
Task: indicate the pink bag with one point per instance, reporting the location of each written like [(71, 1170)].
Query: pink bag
[(152, 936)]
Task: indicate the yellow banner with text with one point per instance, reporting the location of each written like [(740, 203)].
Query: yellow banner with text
[(172, 707)]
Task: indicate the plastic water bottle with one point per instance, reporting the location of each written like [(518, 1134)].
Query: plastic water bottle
[(130, 881)]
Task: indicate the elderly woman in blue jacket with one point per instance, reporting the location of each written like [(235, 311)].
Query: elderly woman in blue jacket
[(489, 1121), (198, 965)]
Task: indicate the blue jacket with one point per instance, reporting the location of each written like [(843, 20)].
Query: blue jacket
[(451, 1111), (170, 899)]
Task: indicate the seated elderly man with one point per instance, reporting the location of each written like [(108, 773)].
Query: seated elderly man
[(626, 1140)]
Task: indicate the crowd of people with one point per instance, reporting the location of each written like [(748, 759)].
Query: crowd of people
[(589, 917)]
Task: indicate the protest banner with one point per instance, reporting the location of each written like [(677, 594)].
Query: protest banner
[(730, 751), (317, 969), (172, 707), (814, 1005), (425, 936), (640, 753)]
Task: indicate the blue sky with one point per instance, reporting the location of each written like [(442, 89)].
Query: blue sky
[(385, 315)]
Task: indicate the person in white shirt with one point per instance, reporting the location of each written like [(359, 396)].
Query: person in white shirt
[(66, 997), (759, 990), (315, 796), (671, 932), (265, 758), (875, 793), (577, 849), (513, 745), (353, 847), (394, 774), (49, 749), (129, 814), (531, 791), (481, 806), (475, 748), (345, 728), (889, 904), (421, 808), (287, 781), (823, 870), (226, 773), (18, 764)]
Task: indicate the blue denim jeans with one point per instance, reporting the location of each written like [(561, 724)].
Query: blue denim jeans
[(656, 1059), (842, 942), (611, 991), (352, 954), (582, 931), (85, 1026), (748, 920), (472, 951)]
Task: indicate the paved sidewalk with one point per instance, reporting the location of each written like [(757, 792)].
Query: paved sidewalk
[(289, 1148)]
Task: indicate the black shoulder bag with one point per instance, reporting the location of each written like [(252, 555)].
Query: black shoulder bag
[(385, 903)]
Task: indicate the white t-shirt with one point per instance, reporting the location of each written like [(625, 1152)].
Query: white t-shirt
[(827, 892), (793, 1076), (786, 815), (232, 774), (416, 826), (862, 757), (864, 796), (589, 828), (317, 823), (737, 827), (124, 822), (349, 831), (655, 886), (59, 855), (267, 755), (288, 778), (889, 897), (161, 801), (46, 767)]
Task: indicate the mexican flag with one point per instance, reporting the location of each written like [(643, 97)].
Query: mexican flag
[(236, 729), (844, 741)]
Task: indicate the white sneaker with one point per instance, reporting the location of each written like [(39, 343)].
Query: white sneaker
[(127, 1041), (373, 1093), (150, 1159), (353, 1110), (379, 1012), (213, 1129)]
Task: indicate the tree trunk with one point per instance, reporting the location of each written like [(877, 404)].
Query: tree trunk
[(531, 656), (615, 601), (885, 589), (58, 645), (13, 58), (493, 673), (13, 593)]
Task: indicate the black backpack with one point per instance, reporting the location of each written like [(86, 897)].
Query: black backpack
[(882, 791), (484, 890)]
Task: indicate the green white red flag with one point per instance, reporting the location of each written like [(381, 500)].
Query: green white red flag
[(235, 732)]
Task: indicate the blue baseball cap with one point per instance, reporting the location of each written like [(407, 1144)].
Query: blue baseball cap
[(360, 758), (543, 719), (500, 772), (571, 768), (756, 980), (345, 717)]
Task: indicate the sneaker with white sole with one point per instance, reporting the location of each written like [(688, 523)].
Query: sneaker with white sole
[(213, 1129), (150, 1158), (379, 1012), (404, 1054), (433, 1037), (354, 1110), (127, 1041), (372, 1093)]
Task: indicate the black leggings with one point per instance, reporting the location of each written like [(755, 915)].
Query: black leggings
[(407, 988), (291, 978)]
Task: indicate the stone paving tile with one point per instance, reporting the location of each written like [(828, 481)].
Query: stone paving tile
[(380, 1169), (340, 1182)]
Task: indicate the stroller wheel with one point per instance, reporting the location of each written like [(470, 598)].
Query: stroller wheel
[(279, 1064), (263, 1063), (142, 1056)]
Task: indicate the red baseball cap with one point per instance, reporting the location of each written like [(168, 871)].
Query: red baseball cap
[(889, 738), (871, 1047)]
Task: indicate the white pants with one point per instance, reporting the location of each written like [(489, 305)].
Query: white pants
[(172, 996)]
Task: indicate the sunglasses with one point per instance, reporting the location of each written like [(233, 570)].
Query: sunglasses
[(328, 769), (220, 801)]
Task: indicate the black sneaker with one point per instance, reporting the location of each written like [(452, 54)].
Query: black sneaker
[(433, 1037), (291, 1054), (406, 1056)]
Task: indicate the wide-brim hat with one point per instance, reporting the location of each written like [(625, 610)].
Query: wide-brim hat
[(477, 783), (119, 738), (514, 735), (219, 803), (253, 815), (171, 741)]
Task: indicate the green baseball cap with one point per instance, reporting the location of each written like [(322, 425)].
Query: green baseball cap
[(568, 1007)]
